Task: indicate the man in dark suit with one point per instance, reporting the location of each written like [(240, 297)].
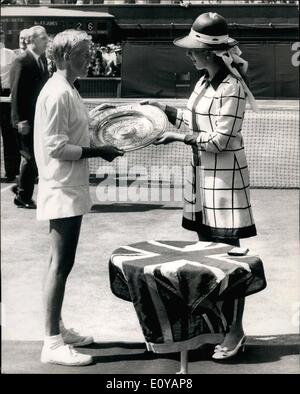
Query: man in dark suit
[(29, 73)]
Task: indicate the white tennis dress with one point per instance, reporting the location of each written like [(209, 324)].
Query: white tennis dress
[(60, 130)]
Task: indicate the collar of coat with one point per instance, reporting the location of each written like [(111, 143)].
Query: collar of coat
[(218, 78)]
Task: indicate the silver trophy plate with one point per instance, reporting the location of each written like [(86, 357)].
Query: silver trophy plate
[(129, 127)]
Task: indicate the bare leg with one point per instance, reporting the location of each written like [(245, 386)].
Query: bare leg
[(64, 234), (46, 272), (236, 331)]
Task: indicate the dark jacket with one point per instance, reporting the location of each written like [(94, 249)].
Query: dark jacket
[(27, 81)]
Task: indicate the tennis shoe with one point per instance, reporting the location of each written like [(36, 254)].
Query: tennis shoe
[(71, 337), (64, 355)]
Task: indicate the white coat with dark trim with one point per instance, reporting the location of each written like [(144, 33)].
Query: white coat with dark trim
[(217, 197)]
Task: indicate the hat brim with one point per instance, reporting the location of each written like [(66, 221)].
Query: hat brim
[(188, 42)]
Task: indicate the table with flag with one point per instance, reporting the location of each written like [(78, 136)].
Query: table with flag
[(184, 293)]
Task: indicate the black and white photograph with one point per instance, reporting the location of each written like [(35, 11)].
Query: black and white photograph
[(150, 181)]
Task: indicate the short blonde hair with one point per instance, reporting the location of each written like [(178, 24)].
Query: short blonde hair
[(65, 42)]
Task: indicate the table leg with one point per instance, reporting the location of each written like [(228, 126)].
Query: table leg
[(183, 362)]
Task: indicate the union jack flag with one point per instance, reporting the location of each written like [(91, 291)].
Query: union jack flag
[(185, 294)]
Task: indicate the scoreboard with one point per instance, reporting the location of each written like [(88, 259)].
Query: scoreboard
[(97, 24)]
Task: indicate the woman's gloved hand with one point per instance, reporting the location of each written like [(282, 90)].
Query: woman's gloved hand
[(106, 152), (110, 152)]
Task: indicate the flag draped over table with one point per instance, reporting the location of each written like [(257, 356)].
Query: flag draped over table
[(185, 294)]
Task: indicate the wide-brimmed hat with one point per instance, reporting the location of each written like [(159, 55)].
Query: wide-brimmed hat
[(209, 31)]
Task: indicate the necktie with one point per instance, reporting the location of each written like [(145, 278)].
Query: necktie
[(41, 65)]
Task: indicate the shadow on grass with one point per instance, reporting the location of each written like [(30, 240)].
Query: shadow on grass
[(126, 207), (120, 357), (255, 352)]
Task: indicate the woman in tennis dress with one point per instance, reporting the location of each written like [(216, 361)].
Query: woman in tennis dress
[(62, 147), (217, 199)]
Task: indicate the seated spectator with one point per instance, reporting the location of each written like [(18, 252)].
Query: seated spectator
[(105, 60), (97, 68)]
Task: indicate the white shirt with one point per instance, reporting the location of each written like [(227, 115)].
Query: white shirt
[(35, 56), (7, 57), (60, 130)]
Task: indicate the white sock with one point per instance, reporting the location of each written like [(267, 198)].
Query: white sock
[(53, 341)]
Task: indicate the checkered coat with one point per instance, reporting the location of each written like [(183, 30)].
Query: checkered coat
[(217, 197)]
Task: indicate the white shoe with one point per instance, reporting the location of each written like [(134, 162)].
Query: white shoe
[(64, 355), (72, 337), (222, 353)]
